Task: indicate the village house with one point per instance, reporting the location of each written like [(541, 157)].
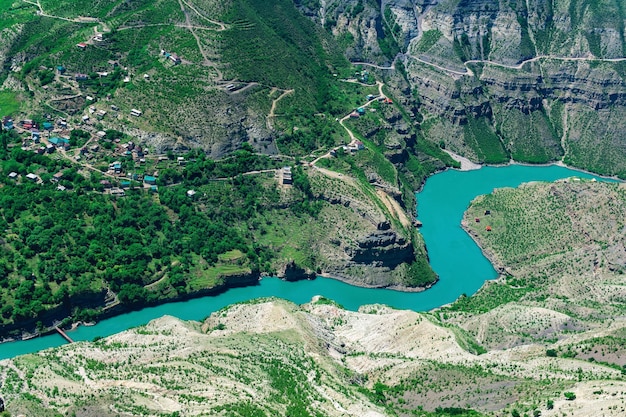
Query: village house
[(191, 193), (81, 45), (56, 177), (117, 192), (135, 112), (80, 77), (116, 167), (13, 175), (287, 177), (7, 123), (32, 177), (149, 179), (59, 142)]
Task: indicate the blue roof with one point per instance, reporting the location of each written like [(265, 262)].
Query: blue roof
[(47, 125), (149, 178), (56, 141)]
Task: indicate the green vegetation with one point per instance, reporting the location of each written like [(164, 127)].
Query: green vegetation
[(569, 396), (62, 247), (280, 31), (482, 139), (9, 102), (428, 40), (533, 138)]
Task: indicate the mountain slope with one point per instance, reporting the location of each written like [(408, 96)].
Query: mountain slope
[(270, 357), (494, 80)]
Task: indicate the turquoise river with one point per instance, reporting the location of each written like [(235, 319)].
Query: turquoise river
[(461, 266)]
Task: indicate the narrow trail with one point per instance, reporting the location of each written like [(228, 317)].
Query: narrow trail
[(189, 26), (352, 137), (272, 114), (73, 160), (178, 25), (222, 25), (241, 90), (394, 208), (519, 66), (81, 19), (390, 67), (346, 117), (206, 61)]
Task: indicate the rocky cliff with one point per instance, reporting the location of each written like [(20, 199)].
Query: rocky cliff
[(533, 81)]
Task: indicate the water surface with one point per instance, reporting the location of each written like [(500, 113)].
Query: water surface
[(460, 264)]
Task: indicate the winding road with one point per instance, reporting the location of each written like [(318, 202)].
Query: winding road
[(519, 66)]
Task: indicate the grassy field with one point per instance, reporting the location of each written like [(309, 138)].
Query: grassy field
[(9, 103)]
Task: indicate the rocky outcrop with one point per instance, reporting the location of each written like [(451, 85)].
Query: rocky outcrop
[(293, 272), (545, 79), (382, 248)]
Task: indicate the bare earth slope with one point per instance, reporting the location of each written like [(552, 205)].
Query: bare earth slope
[(271, 358)]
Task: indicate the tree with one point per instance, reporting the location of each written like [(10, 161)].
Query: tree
[(569, 396)]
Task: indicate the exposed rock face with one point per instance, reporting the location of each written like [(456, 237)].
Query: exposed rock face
[(544, 80), (384, 248), (293, 272), (358, 243)]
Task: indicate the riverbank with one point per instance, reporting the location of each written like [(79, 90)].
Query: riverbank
[(466, 164), (469, 165), (392, 287), (461, 266), (67, 323)]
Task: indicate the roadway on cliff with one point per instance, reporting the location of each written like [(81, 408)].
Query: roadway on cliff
[(469, 72)]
